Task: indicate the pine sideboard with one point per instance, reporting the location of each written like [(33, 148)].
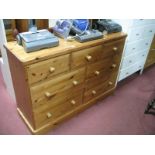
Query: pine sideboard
[(52, 85)]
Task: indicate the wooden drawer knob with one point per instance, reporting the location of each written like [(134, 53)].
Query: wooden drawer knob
[(93, 92), (88, 57), (114, 66), (52, 69), (73, 102), (48, 94), (115, 48), (110, 83), (49, 115), (75, 83), (97, 73)]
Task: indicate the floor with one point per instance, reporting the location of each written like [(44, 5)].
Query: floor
[(121, 113)]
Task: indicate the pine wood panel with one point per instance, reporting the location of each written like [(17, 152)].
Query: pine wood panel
[(47, 116), (151, 55), (63, 48), (48, 68), (58, 88), (97, 68), (96, 53), (97, 90), (74, 84), (21, 87)]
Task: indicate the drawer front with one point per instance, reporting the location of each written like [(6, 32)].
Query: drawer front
[(140, 22), (134, 47), (45, 69), (96, 53), (105, 66), (106, 75), (149, 31), (43, 117), (134, 58), (59, 89), (128, 61), (98, 90), (136, 33), (130, 70)]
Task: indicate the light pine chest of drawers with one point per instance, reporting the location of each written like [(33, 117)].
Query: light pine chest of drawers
[(52, 85)]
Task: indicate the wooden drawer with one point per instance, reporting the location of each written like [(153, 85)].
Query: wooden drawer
[(105, 75), (104, 66), (98, 90), (48, 68), (59, 89), (43, 117), (97, 53)]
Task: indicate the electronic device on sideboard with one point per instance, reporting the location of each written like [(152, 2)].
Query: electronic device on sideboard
[(62, 28), (106, 26), (79, 29), (34, 39)]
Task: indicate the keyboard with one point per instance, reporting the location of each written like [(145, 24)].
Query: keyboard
[(89, 35)]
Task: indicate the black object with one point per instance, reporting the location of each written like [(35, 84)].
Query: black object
[(106, 25), (150, 109), (89, 35)]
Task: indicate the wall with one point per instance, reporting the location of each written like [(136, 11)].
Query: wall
[(4, 63)]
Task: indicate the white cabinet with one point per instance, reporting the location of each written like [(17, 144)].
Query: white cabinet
[(140, 34)]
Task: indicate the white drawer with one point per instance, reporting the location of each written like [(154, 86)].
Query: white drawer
[(142, 55), (130, 70), (134, 58), (149, 30), (139, 22), (136, 46), (136, 33), (150, 21), (128, 61)]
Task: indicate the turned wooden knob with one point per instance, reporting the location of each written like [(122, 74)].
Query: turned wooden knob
[(52, 69), (113, 65), (73, 102), (110, 83), (115, 48), (88, 57), (49, 115), (97, 72), (48, 94), (75, 83), (93, 92)]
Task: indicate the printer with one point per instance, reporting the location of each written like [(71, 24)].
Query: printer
[(106, 25), (36, 40)]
